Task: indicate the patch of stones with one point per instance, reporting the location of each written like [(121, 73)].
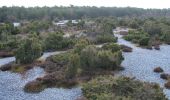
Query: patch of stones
[(164, 76)]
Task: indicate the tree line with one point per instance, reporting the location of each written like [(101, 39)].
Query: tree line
[(75, 12)]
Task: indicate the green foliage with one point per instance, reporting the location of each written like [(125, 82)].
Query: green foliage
[(36, 26), (51, 13), (73, 65), (105, 38), (106, 60), (144, 41), (138, 37), (11, 43), (166, 37), (80, 45), (62, 58), (88, 58), (81, 24), (121, 88), (152, 28), (133, 24), (92, 58), (28, 50), (55, 41), (111, 46)]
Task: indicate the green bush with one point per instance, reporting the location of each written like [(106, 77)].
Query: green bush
[(138, 37), (80, 45), (166, 37), (121, 88), (62, 58), (88, 58), (105, 38), (144, 41), (28, 50), (111, 46), (92, 58), (73, 65), (55, 41), (106, 60)]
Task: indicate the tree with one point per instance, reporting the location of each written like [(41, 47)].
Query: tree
[(29, 50), (80, 45), (133, 24), (152, 28), (73, 65), (88, 58)]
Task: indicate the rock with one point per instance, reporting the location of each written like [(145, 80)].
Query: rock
[(157, 47), (33, 87), (6, 67), (158, 70), (167, 85), (149, 47), (165, 76), (126, 48)]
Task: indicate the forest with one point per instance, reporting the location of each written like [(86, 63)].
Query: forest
[(76, 12)]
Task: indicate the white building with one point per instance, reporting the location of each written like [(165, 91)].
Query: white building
[(16, 24)]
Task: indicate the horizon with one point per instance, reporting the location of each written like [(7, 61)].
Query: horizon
[(145, 4)]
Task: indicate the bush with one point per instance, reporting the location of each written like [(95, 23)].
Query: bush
[(62, 58), (73, 65), (106, 60), (29, 50), (121, 88), (111, 46), (80, 45), (144, 41), (92, 58), (88, 58), (56, 41), (105, 38), (11, 43), (166, 37)]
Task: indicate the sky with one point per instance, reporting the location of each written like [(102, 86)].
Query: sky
[(159, 4)]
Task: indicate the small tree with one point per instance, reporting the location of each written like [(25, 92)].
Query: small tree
[(80, 45), (29, 50), (88, 58), (73, 65)]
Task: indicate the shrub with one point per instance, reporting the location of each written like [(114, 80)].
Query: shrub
[(166, 37), (88, 58), (29, 50), (73, 65), (144, 41), (111, 46), (105, 38), (62, 58), (55, 41), (105, 60), (121, 88), (80, 45), (92, 58)]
